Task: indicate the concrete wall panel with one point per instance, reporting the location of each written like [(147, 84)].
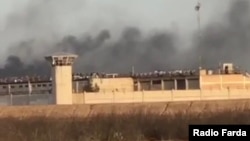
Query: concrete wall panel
[(62, 82), (114, 84), (160, 96)]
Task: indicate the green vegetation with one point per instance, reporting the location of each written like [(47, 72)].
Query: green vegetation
[(137, 126)]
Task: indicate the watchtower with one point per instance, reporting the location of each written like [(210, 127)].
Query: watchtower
[(62, 76)]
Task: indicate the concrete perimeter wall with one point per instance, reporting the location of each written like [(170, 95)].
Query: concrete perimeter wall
[(160, 96)]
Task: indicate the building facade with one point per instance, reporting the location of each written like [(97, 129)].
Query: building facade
[(63, 84)]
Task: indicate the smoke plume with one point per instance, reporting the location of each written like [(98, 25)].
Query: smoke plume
[(224, 41)]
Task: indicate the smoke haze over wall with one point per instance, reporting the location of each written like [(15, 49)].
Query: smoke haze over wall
[(226, 39)]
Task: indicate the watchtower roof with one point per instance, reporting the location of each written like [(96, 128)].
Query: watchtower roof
[(62, 54), (61, 59)]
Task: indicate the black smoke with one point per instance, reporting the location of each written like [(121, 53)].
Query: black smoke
[(15, 67), (226, 41)]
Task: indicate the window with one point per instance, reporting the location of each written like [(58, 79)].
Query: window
[(44, 85), (20, 86), (155, 82), (181, 84)]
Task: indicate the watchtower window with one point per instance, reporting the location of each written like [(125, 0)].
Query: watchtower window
[(64, 59), (71, 59)]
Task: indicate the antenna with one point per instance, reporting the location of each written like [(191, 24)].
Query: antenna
[(197, 9), (200, 62)]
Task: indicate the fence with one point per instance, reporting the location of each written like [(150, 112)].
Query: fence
[(130, 97), (26, 99)]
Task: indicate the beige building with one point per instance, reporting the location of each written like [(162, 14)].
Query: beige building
[(158, 86), (224, 79)]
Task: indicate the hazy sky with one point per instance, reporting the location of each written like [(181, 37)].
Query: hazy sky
[(92, 14), (50, 20), (26, 17), (113, 35)]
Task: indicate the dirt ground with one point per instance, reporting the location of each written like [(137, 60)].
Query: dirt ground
[(90, 110)]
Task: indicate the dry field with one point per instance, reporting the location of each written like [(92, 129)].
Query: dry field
[(115, 122), (90, 110)]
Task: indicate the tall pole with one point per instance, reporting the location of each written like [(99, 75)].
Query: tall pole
[(197, 8), (30, 91), (133, 70), (10, 94)]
